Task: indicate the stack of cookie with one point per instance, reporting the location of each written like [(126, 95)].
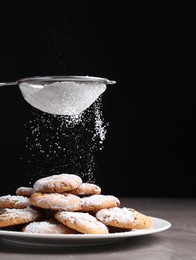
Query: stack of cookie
[(64, 204)]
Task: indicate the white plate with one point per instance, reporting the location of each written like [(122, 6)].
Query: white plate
[(59, 240)]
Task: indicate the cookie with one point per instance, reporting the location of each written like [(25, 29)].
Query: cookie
[(24, 191), (124, 218), (56, 201), (58, 183), (11, 217), (85, 189), (82, 222), (50, 226), (13, 201), (99, 201)]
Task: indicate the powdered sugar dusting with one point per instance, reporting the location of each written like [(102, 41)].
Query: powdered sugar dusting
[(14, 200), (38, 227), (26, 214), (123, 215), (99, 199), (72, 216), (57, 201), (58, 182), (47, 227)]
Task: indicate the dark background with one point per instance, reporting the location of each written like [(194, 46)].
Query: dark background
[(148, 48)]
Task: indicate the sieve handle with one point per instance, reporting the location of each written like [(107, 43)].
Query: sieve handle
[(2, 84)]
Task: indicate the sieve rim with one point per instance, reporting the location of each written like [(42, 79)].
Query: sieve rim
[(38, 79)]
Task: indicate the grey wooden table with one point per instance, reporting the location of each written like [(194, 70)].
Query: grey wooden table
[(177, 242)]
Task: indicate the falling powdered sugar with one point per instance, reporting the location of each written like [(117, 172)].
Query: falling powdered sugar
[(57, 144)]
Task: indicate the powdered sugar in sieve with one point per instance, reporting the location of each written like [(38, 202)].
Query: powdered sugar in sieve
[(62, 98)]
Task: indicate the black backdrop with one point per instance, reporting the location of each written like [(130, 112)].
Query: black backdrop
[(148, 48)]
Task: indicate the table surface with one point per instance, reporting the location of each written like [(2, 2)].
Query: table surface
[(177, 242)]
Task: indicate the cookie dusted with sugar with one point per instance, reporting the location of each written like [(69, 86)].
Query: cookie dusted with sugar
[(12, 217), (85, 189), (124, 218), (13, 201), (82, 222), (99, 201), (51, 226), (24, 191), (56, 201), (57, 183)]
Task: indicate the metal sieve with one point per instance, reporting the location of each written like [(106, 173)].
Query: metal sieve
[(63, 95)]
